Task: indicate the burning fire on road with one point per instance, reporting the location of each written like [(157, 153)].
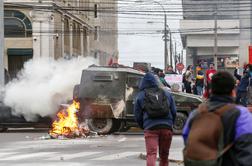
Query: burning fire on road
[(67, 124)]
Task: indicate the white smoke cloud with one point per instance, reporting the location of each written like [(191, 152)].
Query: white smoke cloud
[(43, 84)]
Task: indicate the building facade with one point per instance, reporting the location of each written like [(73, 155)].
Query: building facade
[(57, 29), (233, 35)]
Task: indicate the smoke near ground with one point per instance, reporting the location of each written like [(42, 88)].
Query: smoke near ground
[(43, 84)]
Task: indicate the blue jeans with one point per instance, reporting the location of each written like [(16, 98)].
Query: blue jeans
[(199, 90)]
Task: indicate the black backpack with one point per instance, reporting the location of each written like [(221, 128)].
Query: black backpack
[(156, 104)]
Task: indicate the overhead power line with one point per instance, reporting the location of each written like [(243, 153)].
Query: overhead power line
[(142, 31)]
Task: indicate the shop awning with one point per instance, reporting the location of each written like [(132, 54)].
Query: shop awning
[(19, 51)]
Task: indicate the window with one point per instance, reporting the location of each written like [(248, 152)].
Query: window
[(16, 24), (13, 28), (133, 81), (103, 78)]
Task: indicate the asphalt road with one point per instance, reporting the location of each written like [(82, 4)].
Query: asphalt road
[(29, 148)]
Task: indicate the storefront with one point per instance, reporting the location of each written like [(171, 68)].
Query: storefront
[(18, 41)]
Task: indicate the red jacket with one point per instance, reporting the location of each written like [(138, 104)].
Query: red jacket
[(209, 74)]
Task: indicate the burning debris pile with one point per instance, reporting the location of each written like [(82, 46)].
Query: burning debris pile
[(67, 124)]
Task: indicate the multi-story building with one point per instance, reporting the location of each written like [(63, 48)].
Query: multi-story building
[(105, 41), (58, 28), (233, 35)]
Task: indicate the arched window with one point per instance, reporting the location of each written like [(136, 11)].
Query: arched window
[(16, 24)]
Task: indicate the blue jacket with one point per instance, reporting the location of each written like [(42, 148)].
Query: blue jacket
[(149, 81), (241, 132), (244, 82)]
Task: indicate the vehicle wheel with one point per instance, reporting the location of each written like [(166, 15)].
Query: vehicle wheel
[(117, 125), (179, 122), (101, 126)]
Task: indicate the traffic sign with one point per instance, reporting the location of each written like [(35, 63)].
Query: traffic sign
[(180, 66)]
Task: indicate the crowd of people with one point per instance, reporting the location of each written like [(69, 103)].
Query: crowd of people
[(192, 83), (200, 82), (218, 132)]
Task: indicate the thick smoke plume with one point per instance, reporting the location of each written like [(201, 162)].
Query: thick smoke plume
[(43, 84)]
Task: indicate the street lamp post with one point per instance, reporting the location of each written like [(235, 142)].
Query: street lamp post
[(165, 37), (215, 39), (170, 34), (165, 44)]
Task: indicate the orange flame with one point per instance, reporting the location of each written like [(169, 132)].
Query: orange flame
[(67, 121)]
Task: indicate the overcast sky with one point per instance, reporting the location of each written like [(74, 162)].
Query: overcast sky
[(140, 38)]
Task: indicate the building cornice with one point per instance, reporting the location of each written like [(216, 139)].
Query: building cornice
[(51, 6)]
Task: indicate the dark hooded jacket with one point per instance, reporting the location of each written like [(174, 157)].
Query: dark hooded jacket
[(244, 83), (149, 81), (237, 125)]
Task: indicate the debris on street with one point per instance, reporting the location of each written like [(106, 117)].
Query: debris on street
[(45, 137)]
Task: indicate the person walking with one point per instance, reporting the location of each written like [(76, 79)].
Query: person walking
[(199, 81), (155, 112), (219, 133), (187, 79), (242, 88)]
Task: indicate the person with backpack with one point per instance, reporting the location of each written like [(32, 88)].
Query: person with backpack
[(219, 133), (155, 112)]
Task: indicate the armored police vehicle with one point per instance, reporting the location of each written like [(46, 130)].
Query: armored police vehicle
[(106, 96)]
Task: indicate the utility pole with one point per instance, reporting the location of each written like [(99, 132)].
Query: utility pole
[(165, 37), (215, 39), (1, 46), (170, 48), (175, 56), (165, 43), (182, 56)]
